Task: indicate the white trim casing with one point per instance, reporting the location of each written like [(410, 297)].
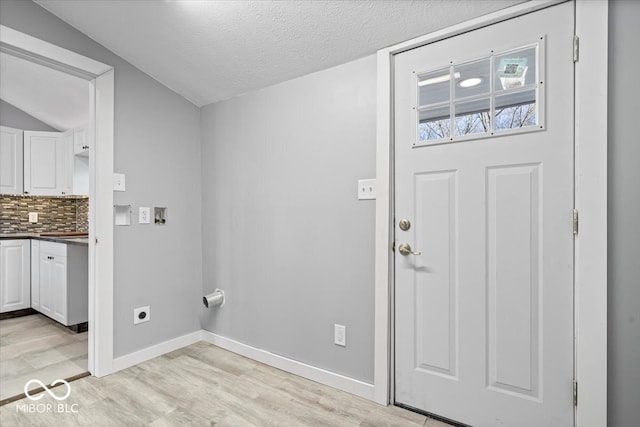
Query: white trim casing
[(312, 373), (101, 226), (50, 55), (591, 202), (101, 125), (383, 260), (91, 138), (131, 359), (591, 199)]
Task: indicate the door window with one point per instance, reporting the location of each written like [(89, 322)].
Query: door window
[(500, 93)]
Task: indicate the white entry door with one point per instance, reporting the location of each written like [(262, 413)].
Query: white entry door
[(484, 185)]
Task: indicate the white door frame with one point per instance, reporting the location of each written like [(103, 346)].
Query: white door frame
[(101, 153), (590, 194)]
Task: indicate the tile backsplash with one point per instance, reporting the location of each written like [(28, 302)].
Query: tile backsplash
[(54, 214)]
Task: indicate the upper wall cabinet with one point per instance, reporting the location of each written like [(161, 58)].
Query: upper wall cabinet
[(47, 160), (80, 142), (80, 172), (11, 161)]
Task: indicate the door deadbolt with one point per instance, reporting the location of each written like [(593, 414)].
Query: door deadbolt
[(404, 224)]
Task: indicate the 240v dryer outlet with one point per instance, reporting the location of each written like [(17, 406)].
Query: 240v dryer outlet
[(141, 315)]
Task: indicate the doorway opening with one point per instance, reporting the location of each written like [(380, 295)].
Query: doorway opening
[(98, 144)]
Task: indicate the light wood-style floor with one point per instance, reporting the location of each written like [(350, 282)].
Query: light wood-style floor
[(203, 385), (36, 347)]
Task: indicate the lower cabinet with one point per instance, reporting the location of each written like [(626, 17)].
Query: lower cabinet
[(15, 277), (35, 274), (62, 285)]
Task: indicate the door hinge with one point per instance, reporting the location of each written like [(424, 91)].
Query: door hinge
[(575, 221), (576, 48), (575, 393)]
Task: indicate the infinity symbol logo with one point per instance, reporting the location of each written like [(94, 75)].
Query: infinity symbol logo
[(52, 394)]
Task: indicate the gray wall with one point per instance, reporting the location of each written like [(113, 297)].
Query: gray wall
[(157, 145), (624, 211), (283, 232), (16, 118)]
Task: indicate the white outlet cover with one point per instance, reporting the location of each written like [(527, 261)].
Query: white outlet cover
[(119, 182), (366, 189), (144, 215), (136, 315), (33, 217)]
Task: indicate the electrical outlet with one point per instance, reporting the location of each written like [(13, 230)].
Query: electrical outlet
[(144, 215), (33, 217), (340, 335), (366, 189), (141, 315)]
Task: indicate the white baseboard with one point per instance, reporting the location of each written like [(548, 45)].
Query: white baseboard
[(145, 354), (322, 376), (312, 373)]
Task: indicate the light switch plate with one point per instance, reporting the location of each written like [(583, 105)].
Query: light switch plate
[(144, 216), (33, 217), (366, 189), (340, 335), (119, 182)]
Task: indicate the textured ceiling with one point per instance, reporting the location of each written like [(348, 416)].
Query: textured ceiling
[(56, 98), (213, 50)]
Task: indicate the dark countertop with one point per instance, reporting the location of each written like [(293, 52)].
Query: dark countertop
[(73, 240)]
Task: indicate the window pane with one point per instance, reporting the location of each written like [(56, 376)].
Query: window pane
[(472, 78), (434, 87), (515, 69), (472, 117), (516, 110), (434, 123)]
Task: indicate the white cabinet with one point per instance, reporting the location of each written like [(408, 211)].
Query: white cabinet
[(35, 274), (49, 166), (81, 176), (15, 275), (53, 285), (11, 161), (63, 282), (80, 162), (46, 162), (44, 284), (68, 166), (80, 142)]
